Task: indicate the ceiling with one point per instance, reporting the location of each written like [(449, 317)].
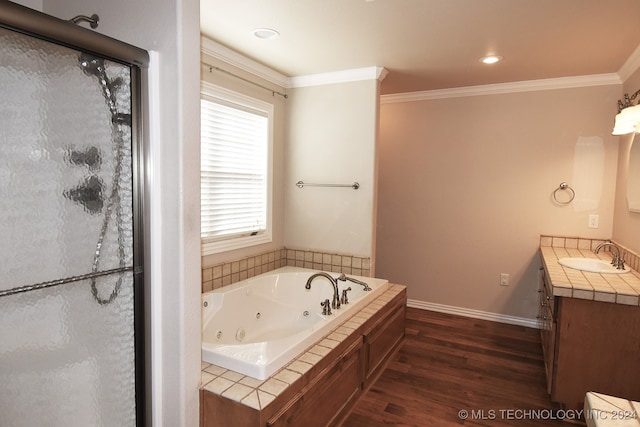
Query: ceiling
[(431, 44)]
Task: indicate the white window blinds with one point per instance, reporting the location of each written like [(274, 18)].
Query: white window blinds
[(234, 170)]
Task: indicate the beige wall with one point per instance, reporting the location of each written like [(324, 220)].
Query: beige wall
[(332, 133), (222, 79), (465, 190), (626, 228)]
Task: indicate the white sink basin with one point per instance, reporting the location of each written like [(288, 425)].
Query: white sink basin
[(591, 264)]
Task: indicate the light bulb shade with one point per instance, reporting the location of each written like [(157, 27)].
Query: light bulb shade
[(627, 121)]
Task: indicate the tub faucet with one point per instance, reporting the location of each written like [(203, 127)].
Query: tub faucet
[(326, 309), (336, 294), (344, 299), (351, 279), (617, 260)]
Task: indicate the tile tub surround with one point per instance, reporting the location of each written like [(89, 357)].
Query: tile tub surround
[(230, 272), (258, 394), (601, 410), (567, 282)]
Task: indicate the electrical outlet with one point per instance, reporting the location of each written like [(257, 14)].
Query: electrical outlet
[(594, 220), (504, 279)]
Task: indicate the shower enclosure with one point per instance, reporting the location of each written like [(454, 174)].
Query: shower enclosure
[(72, 342)]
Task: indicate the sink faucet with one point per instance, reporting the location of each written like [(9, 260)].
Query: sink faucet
[(617, 260), (336, 294)]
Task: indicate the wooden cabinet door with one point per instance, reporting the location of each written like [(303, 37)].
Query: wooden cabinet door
[(597, 349), (328, 395), (381, 341)]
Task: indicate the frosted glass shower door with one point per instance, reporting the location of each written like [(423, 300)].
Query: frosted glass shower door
[(68, 273)]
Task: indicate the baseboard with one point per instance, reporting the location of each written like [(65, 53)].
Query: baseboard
[(476, 314)]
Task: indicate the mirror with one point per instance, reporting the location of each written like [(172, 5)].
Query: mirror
[(633, 176)]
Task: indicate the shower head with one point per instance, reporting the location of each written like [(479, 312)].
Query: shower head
[(91, 65), (95, 66)]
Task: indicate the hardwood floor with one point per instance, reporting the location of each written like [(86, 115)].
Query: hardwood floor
[(451, 364)]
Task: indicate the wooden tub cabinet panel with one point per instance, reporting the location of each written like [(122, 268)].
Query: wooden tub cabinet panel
[(381, 341), (329, 394)]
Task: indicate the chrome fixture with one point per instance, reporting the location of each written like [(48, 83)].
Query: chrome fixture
[(326, 307), (344, 278), (301, 184), (564, 186), (617, 261), (336, 294), (229, 73), (628, 117), (344, 299), (627, 101), (93, 20)]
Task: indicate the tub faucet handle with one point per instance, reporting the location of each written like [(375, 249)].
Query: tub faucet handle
[(344, 278), (344, 299), (326, 307)]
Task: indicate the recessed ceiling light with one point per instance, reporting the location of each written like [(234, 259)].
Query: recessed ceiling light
[(265, 33), (490, 59)]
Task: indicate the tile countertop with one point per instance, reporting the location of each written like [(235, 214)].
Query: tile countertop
[(601, 410), (568, 282)]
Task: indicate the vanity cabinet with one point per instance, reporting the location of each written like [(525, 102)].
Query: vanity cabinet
[(589, 346)]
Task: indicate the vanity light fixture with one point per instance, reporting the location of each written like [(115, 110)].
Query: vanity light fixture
[(628, 117), (266, 33), (490, 59)]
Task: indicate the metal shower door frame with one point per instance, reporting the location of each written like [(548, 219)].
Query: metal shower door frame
[(32, 23)]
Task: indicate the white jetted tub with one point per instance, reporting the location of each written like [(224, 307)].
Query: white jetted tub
[(258, 325)]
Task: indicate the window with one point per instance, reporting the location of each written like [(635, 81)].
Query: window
[(235, 173)]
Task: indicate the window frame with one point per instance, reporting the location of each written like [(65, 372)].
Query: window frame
[(213, 92)]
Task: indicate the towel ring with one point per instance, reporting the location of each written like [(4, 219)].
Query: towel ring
[(564, 186)]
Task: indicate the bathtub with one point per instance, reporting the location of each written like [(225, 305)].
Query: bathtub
[(258, 325)]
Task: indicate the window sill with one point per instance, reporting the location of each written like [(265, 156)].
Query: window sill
[(216, 247)]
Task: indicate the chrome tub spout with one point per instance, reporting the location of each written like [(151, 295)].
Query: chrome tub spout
[(335, 303)]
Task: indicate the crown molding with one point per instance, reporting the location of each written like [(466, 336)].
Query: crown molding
[(356, 74), (231, 57), (223, 53), (502, 88), (631, 65)]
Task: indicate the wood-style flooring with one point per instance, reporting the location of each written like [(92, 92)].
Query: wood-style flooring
[(454, 370)]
